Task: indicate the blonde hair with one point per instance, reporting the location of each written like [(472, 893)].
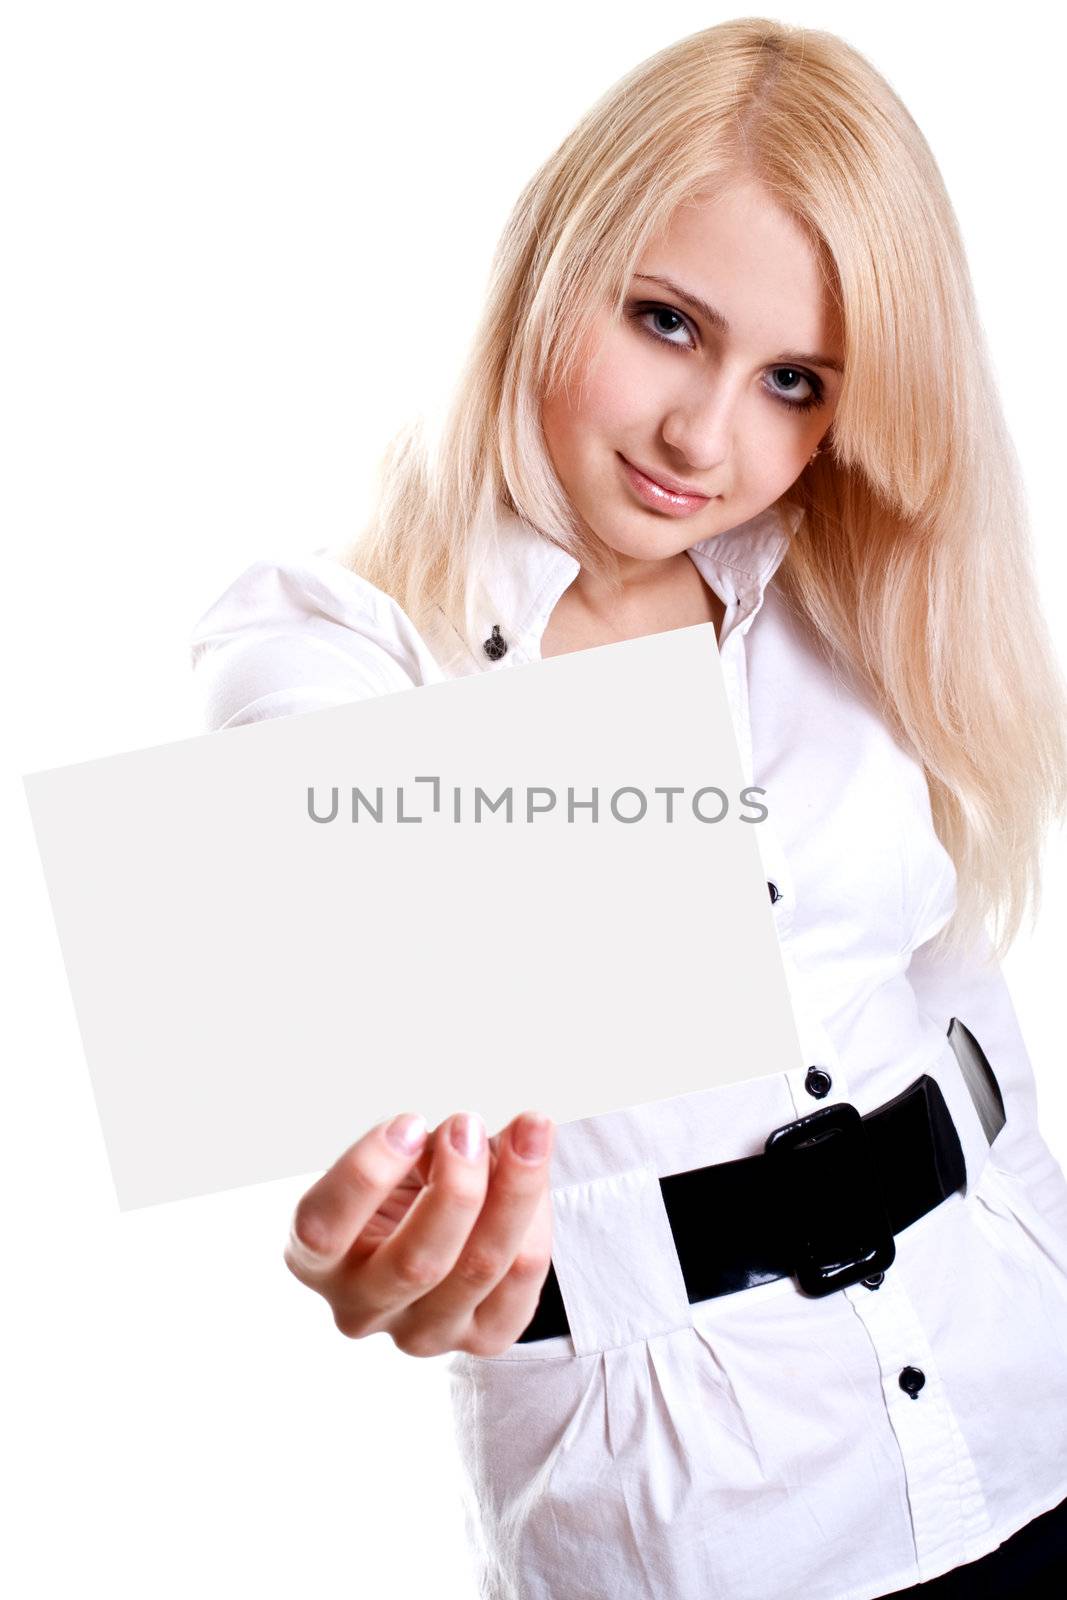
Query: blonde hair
[(910, 561)]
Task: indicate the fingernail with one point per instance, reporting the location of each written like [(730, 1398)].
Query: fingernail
[(406, 1132), (530, 1137), (468, 1135), (312, 1250)]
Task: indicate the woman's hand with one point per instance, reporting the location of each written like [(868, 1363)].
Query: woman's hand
[(442, 1241)]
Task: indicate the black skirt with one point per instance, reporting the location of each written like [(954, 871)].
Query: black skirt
[(1028, 1566)]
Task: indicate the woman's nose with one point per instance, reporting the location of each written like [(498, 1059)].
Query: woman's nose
[(699, 424)]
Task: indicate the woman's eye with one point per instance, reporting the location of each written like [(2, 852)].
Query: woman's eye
[(666, 324), (795, 388)]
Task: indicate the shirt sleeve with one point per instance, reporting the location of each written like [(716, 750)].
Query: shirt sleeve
[(301, 636), (970, 985)]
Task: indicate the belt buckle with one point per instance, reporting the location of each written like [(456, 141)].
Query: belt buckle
[(834, 1211)]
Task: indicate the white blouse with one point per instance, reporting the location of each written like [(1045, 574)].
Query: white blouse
[(758, 1444)]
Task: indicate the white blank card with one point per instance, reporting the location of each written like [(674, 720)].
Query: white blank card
[(525, 888)]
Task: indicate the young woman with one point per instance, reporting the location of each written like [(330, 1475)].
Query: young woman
[(730, 370)]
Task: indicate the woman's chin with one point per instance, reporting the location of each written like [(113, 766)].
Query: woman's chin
[(643, 536)]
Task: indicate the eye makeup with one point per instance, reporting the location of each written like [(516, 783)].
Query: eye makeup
[(643, 313)]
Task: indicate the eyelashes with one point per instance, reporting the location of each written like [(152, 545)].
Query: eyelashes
[(809, 401), (643, 313)]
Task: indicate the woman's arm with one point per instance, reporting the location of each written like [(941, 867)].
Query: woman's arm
[(971, 986), (301, 636), (447, 1250)]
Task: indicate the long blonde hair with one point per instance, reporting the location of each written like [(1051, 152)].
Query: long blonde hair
[(910, 561)]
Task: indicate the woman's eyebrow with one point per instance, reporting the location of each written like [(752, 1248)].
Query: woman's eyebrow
[(715, 319)]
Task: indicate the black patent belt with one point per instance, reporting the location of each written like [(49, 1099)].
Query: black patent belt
[(821, 1204)]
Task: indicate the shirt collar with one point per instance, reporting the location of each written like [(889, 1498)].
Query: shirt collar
[(524, 574)]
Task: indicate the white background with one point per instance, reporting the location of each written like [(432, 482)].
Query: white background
[(242, 243)]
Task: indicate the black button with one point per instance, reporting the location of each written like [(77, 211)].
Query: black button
[(774, 892), (818, 1083), (495, 646), (875, 1281), (911, 1381)]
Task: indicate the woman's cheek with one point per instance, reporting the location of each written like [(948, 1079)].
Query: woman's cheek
[(775, 453), (622, 393)]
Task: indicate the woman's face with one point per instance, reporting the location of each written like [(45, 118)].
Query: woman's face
[(720, 379)]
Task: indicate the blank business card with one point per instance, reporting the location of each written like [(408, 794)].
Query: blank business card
[(525, 888)]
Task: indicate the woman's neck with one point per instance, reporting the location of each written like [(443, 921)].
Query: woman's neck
[(656, 597)]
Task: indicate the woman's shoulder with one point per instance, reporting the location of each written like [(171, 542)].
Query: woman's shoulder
[(301, 633), (289, 589)]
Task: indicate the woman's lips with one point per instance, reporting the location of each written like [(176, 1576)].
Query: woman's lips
[(658, 496)]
